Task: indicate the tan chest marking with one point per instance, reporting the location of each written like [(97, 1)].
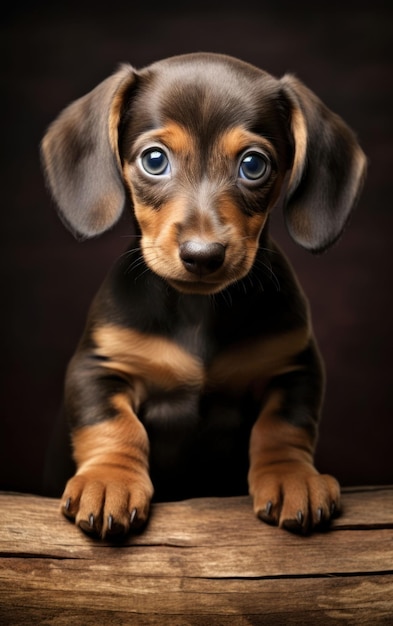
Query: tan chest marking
[(161, 363), (257, 360)]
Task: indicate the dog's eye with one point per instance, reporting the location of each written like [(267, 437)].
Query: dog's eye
[(254, 166), (155, 162)]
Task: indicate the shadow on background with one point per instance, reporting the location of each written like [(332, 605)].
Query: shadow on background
[(52, 55)]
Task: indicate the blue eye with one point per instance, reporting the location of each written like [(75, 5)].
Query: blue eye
[(254, 166), (155, 162)]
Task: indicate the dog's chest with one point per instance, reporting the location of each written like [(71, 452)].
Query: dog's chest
[(193, 328), (207, 356), (197, 422)]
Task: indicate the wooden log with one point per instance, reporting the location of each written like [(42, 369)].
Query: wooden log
[(205, 561)]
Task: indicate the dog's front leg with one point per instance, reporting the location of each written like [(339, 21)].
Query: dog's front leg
[(286, 488), (111, 490)]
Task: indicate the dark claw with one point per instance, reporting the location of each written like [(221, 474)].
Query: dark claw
[(294, 526), (67, 509), (333, 509), (133, 515), (114, 528), (297, 525), (88, 526), (269, 506), (319, 515), (300, 517), (266, 514)]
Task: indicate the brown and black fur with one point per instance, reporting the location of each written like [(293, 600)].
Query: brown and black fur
[(198, 373)]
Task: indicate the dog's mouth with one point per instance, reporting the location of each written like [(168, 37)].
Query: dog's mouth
[(201, 287), (202, 282), (206, 274), (208, 284)]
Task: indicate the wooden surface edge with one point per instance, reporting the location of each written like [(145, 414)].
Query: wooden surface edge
[(200, 562)]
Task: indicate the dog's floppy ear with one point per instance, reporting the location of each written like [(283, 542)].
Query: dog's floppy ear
[(81, 159), (327, 173)]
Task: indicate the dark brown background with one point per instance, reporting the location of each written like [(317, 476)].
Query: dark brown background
[(52, 55)]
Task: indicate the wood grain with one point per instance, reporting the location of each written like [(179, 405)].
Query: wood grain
[(205, 561)]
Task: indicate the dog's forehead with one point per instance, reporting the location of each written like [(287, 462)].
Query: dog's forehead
[(207, 69), (208, 90)]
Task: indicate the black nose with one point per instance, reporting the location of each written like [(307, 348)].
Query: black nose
[(202, 258)]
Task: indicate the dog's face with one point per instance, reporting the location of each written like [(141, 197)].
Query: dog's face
[(205, 146), (204, 163)]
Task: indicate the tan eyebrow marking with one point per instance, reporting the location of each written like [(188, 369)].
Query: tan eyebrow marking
[(238, 138), (172, 135)]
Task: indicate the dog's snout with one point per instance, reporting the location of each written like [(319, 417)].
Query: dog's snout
[(202, 258)]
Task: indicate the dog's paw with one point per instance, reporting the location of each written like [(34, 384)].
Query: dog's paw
[(107, 501), (295, 497)]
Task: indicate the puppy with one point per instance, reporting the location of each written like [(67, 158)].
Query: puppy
[(198, 373)]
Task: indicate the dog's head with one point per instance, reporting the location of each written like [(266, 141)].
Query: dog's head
[(205, 146)]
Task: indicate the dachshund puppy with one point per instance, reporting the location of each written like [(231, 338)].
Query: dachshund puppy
[(198, 373)]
